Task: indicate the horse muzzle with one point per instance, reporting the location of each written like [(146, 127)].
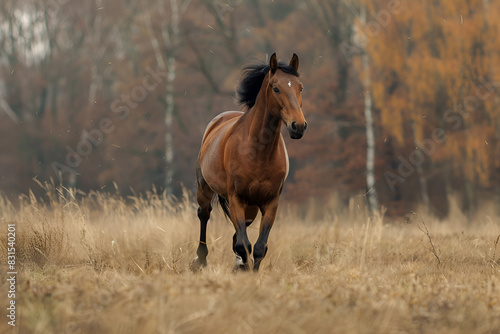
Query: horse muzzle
[(296, 131)]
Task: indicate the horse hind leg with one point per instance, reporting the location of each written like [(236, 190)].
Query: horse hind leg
[(204, 197)]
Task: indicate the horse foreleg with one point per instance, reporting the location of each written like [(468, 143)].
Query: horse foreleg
[(268, 217), (241, 245)]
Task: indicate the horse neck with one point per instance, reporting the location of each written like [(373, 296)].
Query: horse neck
[(262, 128)]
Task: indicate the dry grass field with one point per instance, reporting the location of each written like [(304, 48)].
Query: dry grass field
[(102, 264)]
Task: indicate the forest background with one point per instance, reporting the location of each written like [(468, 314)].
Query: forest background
[(402, 97)]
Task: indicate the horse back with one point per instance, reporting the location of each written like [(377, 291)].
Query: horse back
[(222, 120)]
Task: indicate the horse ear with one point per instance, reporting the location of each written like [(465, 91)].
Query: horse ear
[(294, 63), (273, 63)]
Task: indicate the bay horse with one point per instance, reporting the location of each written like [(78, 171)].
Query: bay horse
[(243, 159)]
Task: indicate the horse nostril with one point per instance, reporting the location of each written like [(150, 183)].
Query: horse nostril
[(294, 126), (305, 126)]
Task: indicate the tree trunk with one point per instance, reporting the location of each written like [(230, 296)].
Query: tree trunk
[(94, 42), (370, 130), (424, 195), (169, 99), (169, 111)]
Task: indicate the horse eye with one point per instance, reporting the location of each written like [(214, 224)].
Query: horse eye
[(301, 89), (276, 90)]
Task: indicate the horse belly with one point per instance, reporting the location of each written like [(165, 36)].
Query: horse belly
[(212, 169)]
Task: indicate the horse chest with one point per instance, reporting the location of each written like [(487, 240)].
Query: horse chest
[(259, 187)]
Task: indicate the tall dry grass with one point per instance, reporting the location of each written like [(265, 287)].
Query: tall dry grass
[(98, 263)]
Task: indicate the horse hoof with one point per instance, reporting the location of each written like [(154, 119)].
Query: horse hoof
[(239, 265), (197, 264)]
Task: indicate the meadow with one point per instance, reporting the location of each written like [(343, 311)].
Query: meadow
[(100, 263)]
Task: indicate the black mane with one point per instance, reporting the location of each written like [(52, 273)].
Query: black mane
[(251, 82)]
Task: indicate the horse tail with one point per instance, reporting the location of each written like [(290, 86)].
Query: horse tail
[(224, 204)]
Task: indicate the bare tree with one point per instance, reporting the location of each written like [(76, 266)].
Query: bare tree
[(370, 128), (330, 17), (169, 32)]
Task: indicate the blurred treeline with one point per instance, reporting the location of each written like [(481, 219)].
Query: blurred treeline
[(100, 94)]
